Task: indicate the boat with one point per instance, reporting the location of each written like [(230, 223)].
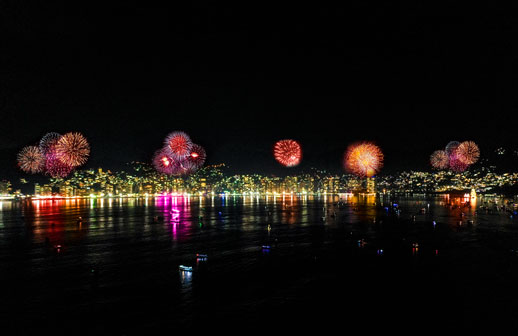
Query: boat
[(201, 256), (266, 247), (185, 268)]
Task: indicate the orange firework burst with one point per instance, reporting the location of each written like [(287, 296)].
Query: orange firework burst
[(468, 152), (73, 149), (440, 159), (31, 160), (287, 152), (363, 159)]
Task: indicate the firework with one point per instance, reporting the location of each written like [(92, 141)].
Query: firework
[(185, 167), (178, 144), (56, 168), (72, 149), (440, 159), (452, 147), (468, 152), (287, 152), (363, 159), (163, 162), (457, 165), (48, 142), (196, 159), (31, 160)]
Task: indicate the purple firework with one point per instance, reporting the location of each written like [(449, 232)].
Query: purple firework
[(49, 142), (56, 168)]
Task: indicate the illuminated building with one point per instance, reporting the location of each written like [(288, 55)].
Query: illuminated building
[(371, 185)]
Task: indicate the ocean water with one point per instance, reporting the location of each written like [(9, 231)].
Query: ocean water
[(358, 263)]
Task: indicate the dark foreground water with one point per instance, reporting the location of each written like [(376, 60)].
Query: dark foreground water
[(358, 269)]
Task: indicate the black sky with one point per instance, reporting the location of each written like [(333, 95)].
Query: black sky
[(239, 77)]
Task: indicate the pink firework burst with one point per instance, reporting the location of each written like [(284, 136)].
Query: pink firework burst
[(178, 144), (163, 162), (196, 158), (56, 168)]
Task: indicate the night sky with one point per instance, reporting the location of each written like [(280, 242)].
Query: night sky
[(238, 78)]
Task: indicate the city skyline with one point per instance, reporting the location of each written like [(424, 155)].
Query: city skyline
[(139, 179)]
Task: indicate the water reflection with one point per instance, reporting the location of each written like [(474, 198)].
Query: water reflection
[(129, 245), (186, 279), (187, 219)]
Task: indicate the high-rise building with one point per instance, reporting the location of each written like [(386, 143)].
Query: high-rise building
[(37, 189), (371, 185), (5, 187)]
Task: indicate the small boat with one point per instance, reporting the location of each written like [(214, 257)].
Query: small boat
[(185, 268), (201, 256), (266, 247)]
